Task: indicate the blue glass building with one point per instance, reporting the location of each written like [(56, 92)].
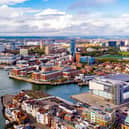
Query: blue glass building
[(87, 59), (112, 43), (73, 48), (122, 43)]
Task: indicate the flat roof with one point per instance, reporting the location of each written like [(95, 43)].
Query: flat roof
[(120, 77), (94, 101)]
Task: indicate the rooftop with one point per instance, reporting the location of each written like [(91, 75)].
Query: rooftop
[(113, 79), (121, 77), (95, 102)]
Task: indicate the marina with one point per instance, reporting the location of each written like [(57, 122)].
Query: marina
[(12, 86)]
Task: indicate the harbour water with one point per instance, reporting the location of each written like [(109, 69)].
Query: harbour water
[(11, 86)]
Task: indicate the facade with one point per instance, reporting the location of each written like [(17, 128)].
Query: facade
[(41, 44), (112, 43), (51, 75), (122, 43), (2, 47), (54, 113), (36, 76), (22, 63), (6, 58), (125, 124), (124, 48), (47, 50), (100, 118), (32, 43), (114, 88), (24, 52), (87, 59), (71, 73), (72, 48), (78, 57)]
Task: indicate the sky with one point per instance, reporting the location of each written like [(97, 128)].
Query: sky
[(64, 17)]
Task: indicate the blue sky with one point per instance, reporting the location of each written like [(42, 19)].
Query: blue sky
[(64, 17), (113, 6)]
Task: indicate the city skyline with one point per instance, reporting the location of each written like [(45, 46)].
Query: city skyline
[(65, 17)]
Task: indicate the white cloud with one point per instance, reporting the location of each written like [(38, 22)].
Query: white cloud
[(50, 12), (11, 2), (27, 21)]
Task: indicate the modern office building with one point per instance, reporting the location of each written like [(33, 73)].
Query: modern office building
[(113, 88), (112, 43), (73, 48), (87, 59)]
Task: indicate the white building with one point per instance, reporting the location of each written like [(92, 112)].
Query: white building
[(32, 43), (124, 48), (2, 47), (6, 58), (114, 88)]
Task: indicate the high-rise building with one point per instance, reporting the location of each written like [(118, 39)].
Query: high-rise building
[(47, 49), (41, 44), (73, 48)]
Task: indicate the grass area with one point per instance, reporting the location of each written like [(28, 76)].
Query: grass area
[(112, 56)]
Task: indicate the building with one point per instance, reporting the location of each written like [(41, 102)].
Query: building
[(47, 50), (36, 76), (87, 59), (112, 43), (41, 44), (24, 52), (46, 76), (32, 43), (71, 73), (6, 58), (112, 87), (55, 113), (125, 124), (2, 47), (122, 43), (72, 48), (22, 63), (124, 48), (78, 57)]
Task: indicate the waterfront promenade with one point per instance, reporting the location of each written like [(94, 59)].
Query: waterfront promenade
[(42, 82)]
